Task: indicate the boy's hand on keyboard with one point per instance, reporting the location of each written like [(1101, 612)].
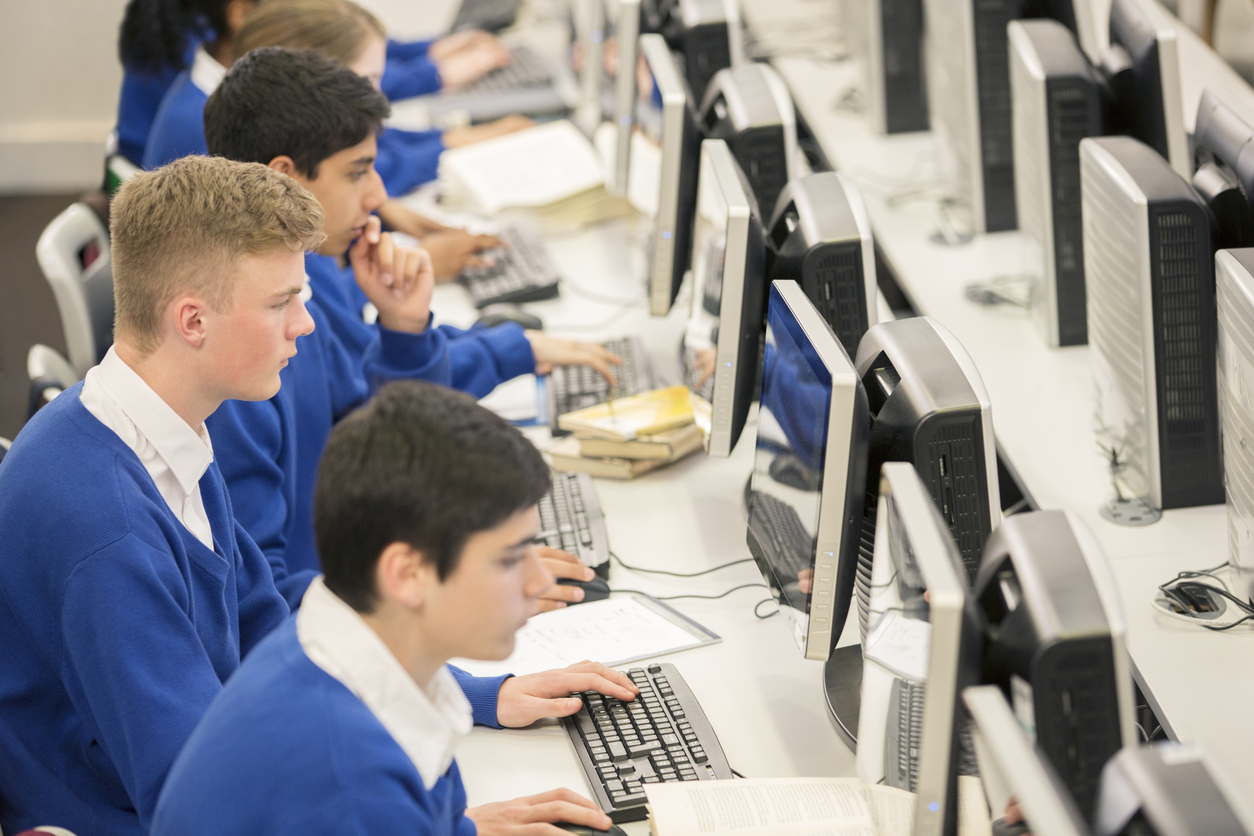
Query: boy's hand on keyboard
[(464, 57), (550, 352), (456, 249), (562, 565), (397, 280), (523, 700), (535, 815)]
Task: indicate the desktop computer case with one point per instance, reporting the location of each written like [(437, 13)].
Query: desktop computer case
[(820, 237), (750, 108), (1060, 655), (887, 37), (710, 40), (968, 85), (1150, 275), (1056, 103), (938, 418), (1234, 291)]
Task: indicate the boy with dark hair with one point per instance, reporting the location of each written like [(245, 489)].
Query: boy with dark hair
[(128, 593), (345, 719)]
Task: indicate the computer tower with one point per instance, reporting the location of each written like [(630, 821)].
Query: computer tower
[(887, 36), (1057, 101), (1150, 273), (820, 237), (707, 34), (968, 85), (1055, 642), (1234, 294), (1166, 789), (929, 407), (749, 107)]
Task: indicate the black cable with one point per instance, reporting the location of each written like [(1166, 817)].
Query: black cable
[(769, 614), (677, 574), (702, 597), (737, 774)]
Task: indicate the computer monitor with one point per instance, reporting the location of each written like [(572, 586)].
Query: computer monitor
[(667, 119), (929, 407), (1012, 768), (1223, 158), (1150, 275), (1234, 294), (887, 37), (626, 31), (820, 237), (968, 83), (1166, 789), (1055, 643), (1057, 100), (707, 33), (809, 469), (587, 57), (923, 650), (721, 341), (749, 106), (1143, 67)]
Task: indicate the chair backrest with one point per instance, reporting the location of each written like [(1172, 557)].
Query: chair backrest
[(73, 253), (49, 373)]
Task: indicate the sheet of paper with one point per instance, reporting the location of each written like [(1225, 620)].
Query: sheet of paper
[(515, 400), (612, 631), (973, 818), (760, 807), (901, 644), (891, 809)]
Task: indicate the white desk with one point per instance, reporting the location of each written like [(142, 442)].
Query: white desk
[(1043, 408)]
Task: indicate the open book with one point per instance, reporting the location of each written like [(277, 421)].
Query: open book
[(800, 807)]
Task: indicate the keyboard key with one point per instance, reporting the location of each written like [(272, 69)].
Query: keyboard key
[(643, 748), (629, 800), (618, 752)]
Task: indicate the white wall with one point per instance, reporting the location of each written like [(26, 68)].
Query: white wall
[(59, 81)]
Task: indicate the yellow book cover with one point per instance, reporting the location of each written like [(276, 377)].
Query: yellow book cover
[(624, 419)]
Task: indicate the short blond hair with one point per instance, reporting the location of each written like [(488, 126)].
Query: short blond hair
[(338, 29), (182, 228)]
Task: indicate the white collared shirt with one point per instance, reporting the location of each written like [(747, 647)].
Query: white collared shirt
[(174, 454), (207, 73), (426, 723)]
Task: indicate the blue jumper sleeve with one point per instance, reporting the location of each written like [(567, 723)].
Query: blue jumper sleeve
[(408, 50), (407, 159), (179, 128), (483, 358), (482, 692), (407, 77)]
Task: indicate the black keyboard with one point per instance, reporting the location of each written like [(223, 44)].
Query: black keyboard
[(779, 529), (488, 15), (661, 736), (526, 70), (522, 272), (571, 520), (577, 387), (905, 724)]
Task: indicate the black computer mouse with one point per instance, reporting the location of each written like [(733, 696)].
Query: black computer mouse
[(584, 830), (497, 314), (593, 590), (788, 469)]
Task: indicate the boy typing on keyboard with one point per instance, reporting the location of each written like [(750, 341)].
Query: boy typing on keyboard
[(345, 719)]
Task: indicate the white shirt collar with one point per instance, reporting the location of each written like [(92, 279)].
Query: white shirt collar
[(187, 452), (426, 724), (207, 73)]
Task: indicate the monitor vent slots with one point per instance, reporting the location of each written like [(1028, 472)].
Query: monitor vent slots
[(839, 291), (866, 559), (954, 482), (1070, 122), (1237, 409), (764, 166), (904, 93), (992, 61), (1083, 679), (1185, 355)]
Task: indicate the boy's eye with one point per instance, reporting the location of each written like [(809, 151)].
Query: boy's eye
[(357, 175), (512, 560), (283, 304)]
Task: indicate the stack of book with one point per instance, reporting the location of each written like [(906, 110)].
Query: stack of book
[(628, 436)]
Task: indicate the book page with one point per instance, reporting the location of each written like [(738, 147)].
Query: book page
[(612, 631), (891, 809), (760, 807), (973, 819)]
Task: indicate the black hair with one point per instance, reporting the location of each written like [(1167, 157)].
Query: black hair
[(292, 102), (155, 34), (422, 465)]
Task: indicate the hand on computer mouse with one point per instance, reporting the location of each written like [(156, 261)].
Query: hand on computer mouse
[(562, 565), (550, 352), (523, 700), (523, 815)]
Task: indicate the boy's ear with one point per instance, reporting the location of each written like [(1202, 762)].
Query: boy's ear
[(403, 574), (284, 165), (188, 313)]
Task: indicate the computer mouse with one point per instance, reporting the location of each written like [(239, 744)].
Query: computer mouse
[(496, 314), (584, 830), (788, 469), (593, 590)]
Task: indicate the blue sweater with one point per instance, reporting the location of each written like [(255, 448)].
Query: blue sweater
[(475, 361), (119, 626), (287, 749), (408, 72), (405, 159)]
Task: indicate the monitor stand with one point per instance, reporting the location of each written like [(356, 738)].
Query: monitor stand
[(842, 686)]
